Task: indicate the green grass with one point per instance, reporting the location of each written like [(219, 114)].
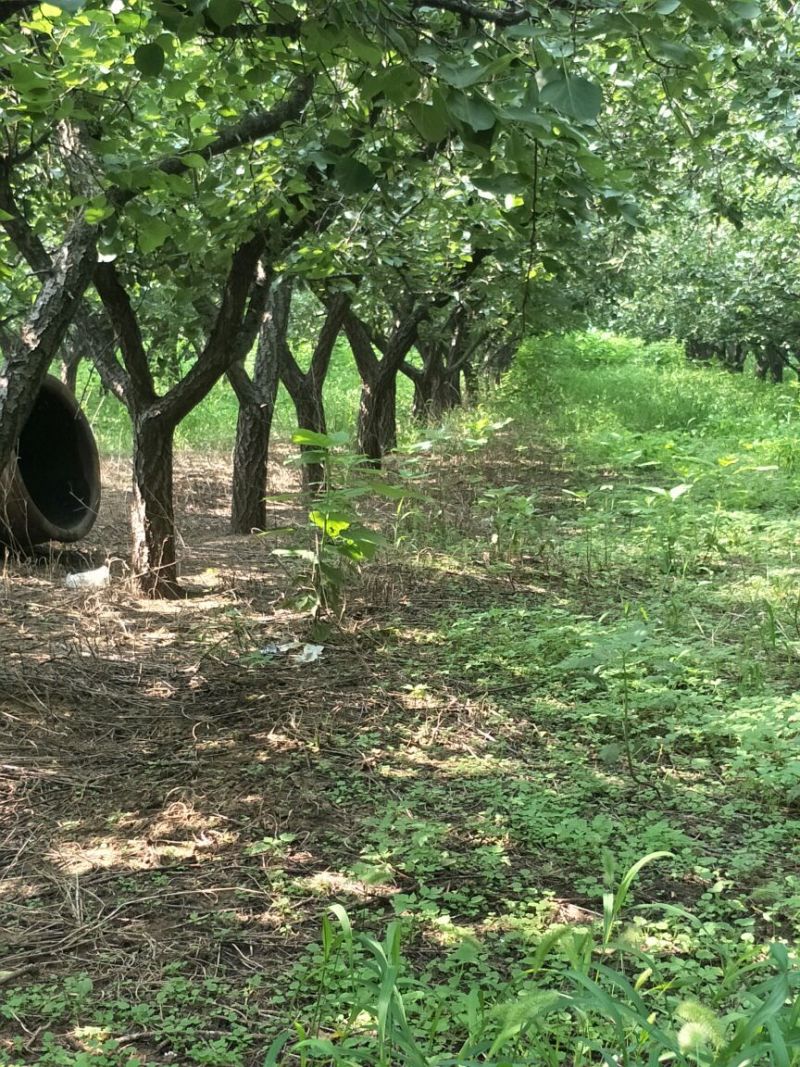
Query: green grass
[(603, 665)]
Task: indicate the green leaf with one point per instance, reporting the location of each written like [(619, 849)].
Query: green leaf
[(224, 12), (473, 110), (430, 121), (70, 6), (572, 95), (149, 58), (747, 10), (398, 84), (194, 160), (671, 51), (666, 7), (462, 76), (97, 209), (354, 176), (702, 9), (318, 440), (153, 233)]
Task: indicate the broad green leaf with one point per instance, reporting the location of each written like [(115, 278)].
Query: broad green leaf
[(572, 95), (149, 59), (430, 121), (194, 160), (224, 12), (671, 51), (97, 209), (354, 176), (153, 233), (461, 76), (398, 84), (747, 10), (666, 7), (70, 6), (319, 440), (473, 110), (702, 9)]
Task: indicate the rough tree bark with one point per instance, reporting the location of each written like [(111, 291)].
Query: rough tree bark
[(305, 388), (377, 415), (770, 363), (41, 335), (437, 383), (256, 398), (155, 417)]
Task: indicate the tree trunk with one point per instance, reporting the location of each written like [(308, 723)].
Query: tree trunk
[(253, 431), (770, 363), (470, 382), (250, 464), (43, 332), (310, 414), (69, 372), (377, 417), (152, 513)]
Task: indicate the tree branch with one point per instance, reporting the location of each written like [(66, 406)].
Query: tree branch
[(44, 331), (120, 311), (252, 127), (216, 356), (511, 15)]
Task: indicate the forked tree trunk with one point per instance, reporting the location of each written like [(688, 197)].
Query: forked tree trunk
[(152, 513), (377, 417), (253, 431), (305, 388)]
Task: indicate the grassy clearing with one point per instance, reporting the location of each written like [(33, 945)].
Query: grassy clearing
[(583, 651)]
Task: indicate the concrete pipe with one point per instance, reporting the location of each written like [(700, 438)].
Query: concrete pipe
[(50, 491)]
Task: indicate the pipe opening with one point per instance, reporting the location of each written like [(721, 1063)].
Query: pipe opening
[(51, 490)]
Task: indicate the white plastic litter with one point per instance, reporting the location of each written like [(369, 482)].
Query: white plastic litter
[(304, 653), (308, 653), (96, 579)]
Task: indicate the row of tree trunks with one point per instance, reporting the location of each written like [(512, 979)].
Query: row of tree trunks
[(771, 359)]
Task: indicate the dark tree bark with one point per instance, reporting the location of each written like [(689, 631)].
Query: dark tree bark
[(43, 333), (437, 384), (152, 515), (305, 388), (377, 416), (155, 417), (770, 363), (256, 398)]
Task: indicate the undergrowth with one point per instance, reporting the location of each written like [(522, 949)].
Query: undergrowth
[(597, 657)]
